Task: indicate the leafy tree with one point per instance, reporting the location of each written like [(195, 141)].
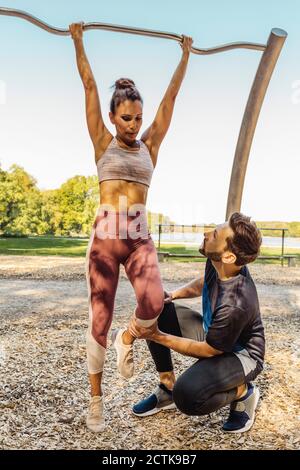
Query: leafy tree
[(19, 202), (77, 204)]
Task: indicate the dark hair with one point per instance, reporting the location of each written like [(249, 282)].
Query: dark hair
[(125, 89), (246, 240)]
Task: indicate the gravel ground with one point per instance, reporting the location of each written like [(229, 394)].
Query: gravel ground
[(44, 386)]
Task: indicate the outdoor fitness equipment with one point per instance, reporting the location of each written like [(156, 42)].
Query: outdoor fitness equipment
[(271, 52)]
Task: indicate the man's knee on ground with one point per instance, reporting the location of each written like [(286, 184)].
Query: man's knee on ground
[(182, 397), (185, 399)]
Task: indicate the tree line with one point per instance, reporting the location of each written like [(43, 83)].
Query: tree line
[(69, 210)]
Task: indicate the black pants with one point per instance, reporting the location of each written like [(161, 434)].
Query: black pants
[(210, 383)]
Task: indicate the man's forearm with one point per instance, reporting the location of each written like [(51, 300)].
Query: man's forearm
[(185, 346), (190, 290)]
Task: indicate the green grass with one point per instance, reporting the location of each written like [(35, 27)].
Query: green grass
[(60, 246), (43, 246)]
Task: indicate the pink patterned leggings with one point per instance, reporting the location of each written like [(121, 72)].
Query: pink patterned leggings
[(118, 238)]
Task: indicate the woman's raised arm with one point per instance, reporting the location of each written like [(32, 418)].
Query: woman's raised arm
[(155, 134), (98, 132)]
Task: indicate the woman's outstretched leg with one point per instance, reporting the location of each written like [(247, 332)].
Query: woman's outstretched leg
[(142, 270)]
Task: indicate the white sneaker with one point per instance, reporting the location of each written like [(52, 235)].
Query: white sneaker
[(124, 354), (95, 419)]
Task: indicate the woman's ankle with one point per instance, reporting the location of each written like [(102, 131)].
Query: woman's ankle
[(127, 338)]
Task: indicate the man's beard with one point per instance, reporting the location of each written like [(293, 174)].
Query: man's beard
[(213, 256), (202, 250)]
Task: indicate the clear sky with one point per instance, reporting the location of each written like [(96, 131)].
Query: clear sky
[(42, 120)]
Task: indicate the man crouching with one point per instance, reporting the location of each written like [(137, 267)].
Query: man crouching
[(227, 339)]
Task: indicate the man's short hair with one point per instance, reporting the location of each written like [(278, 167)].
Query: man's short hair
[(246, 240)]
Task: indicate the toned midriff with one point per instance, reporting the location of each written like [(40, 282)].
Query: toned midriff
[(131, 193)]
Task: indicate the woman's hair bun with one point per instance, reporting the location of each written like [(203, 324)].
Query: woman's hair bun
[(124, 89), (124, 83)]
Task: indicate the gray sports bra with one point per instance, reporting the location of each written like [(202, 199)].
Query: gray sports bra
[(131, 165)]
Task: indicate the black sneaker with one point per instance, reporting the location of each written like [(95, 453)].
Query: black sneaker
[(242, 411), (161, 399)]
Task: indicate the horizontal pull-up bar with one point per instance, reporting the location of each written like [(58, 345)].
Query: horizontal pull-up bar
[(129, 30)]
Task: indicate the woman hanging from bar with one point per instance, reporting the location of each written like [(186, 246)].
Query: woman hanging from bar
[(120, 234)]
